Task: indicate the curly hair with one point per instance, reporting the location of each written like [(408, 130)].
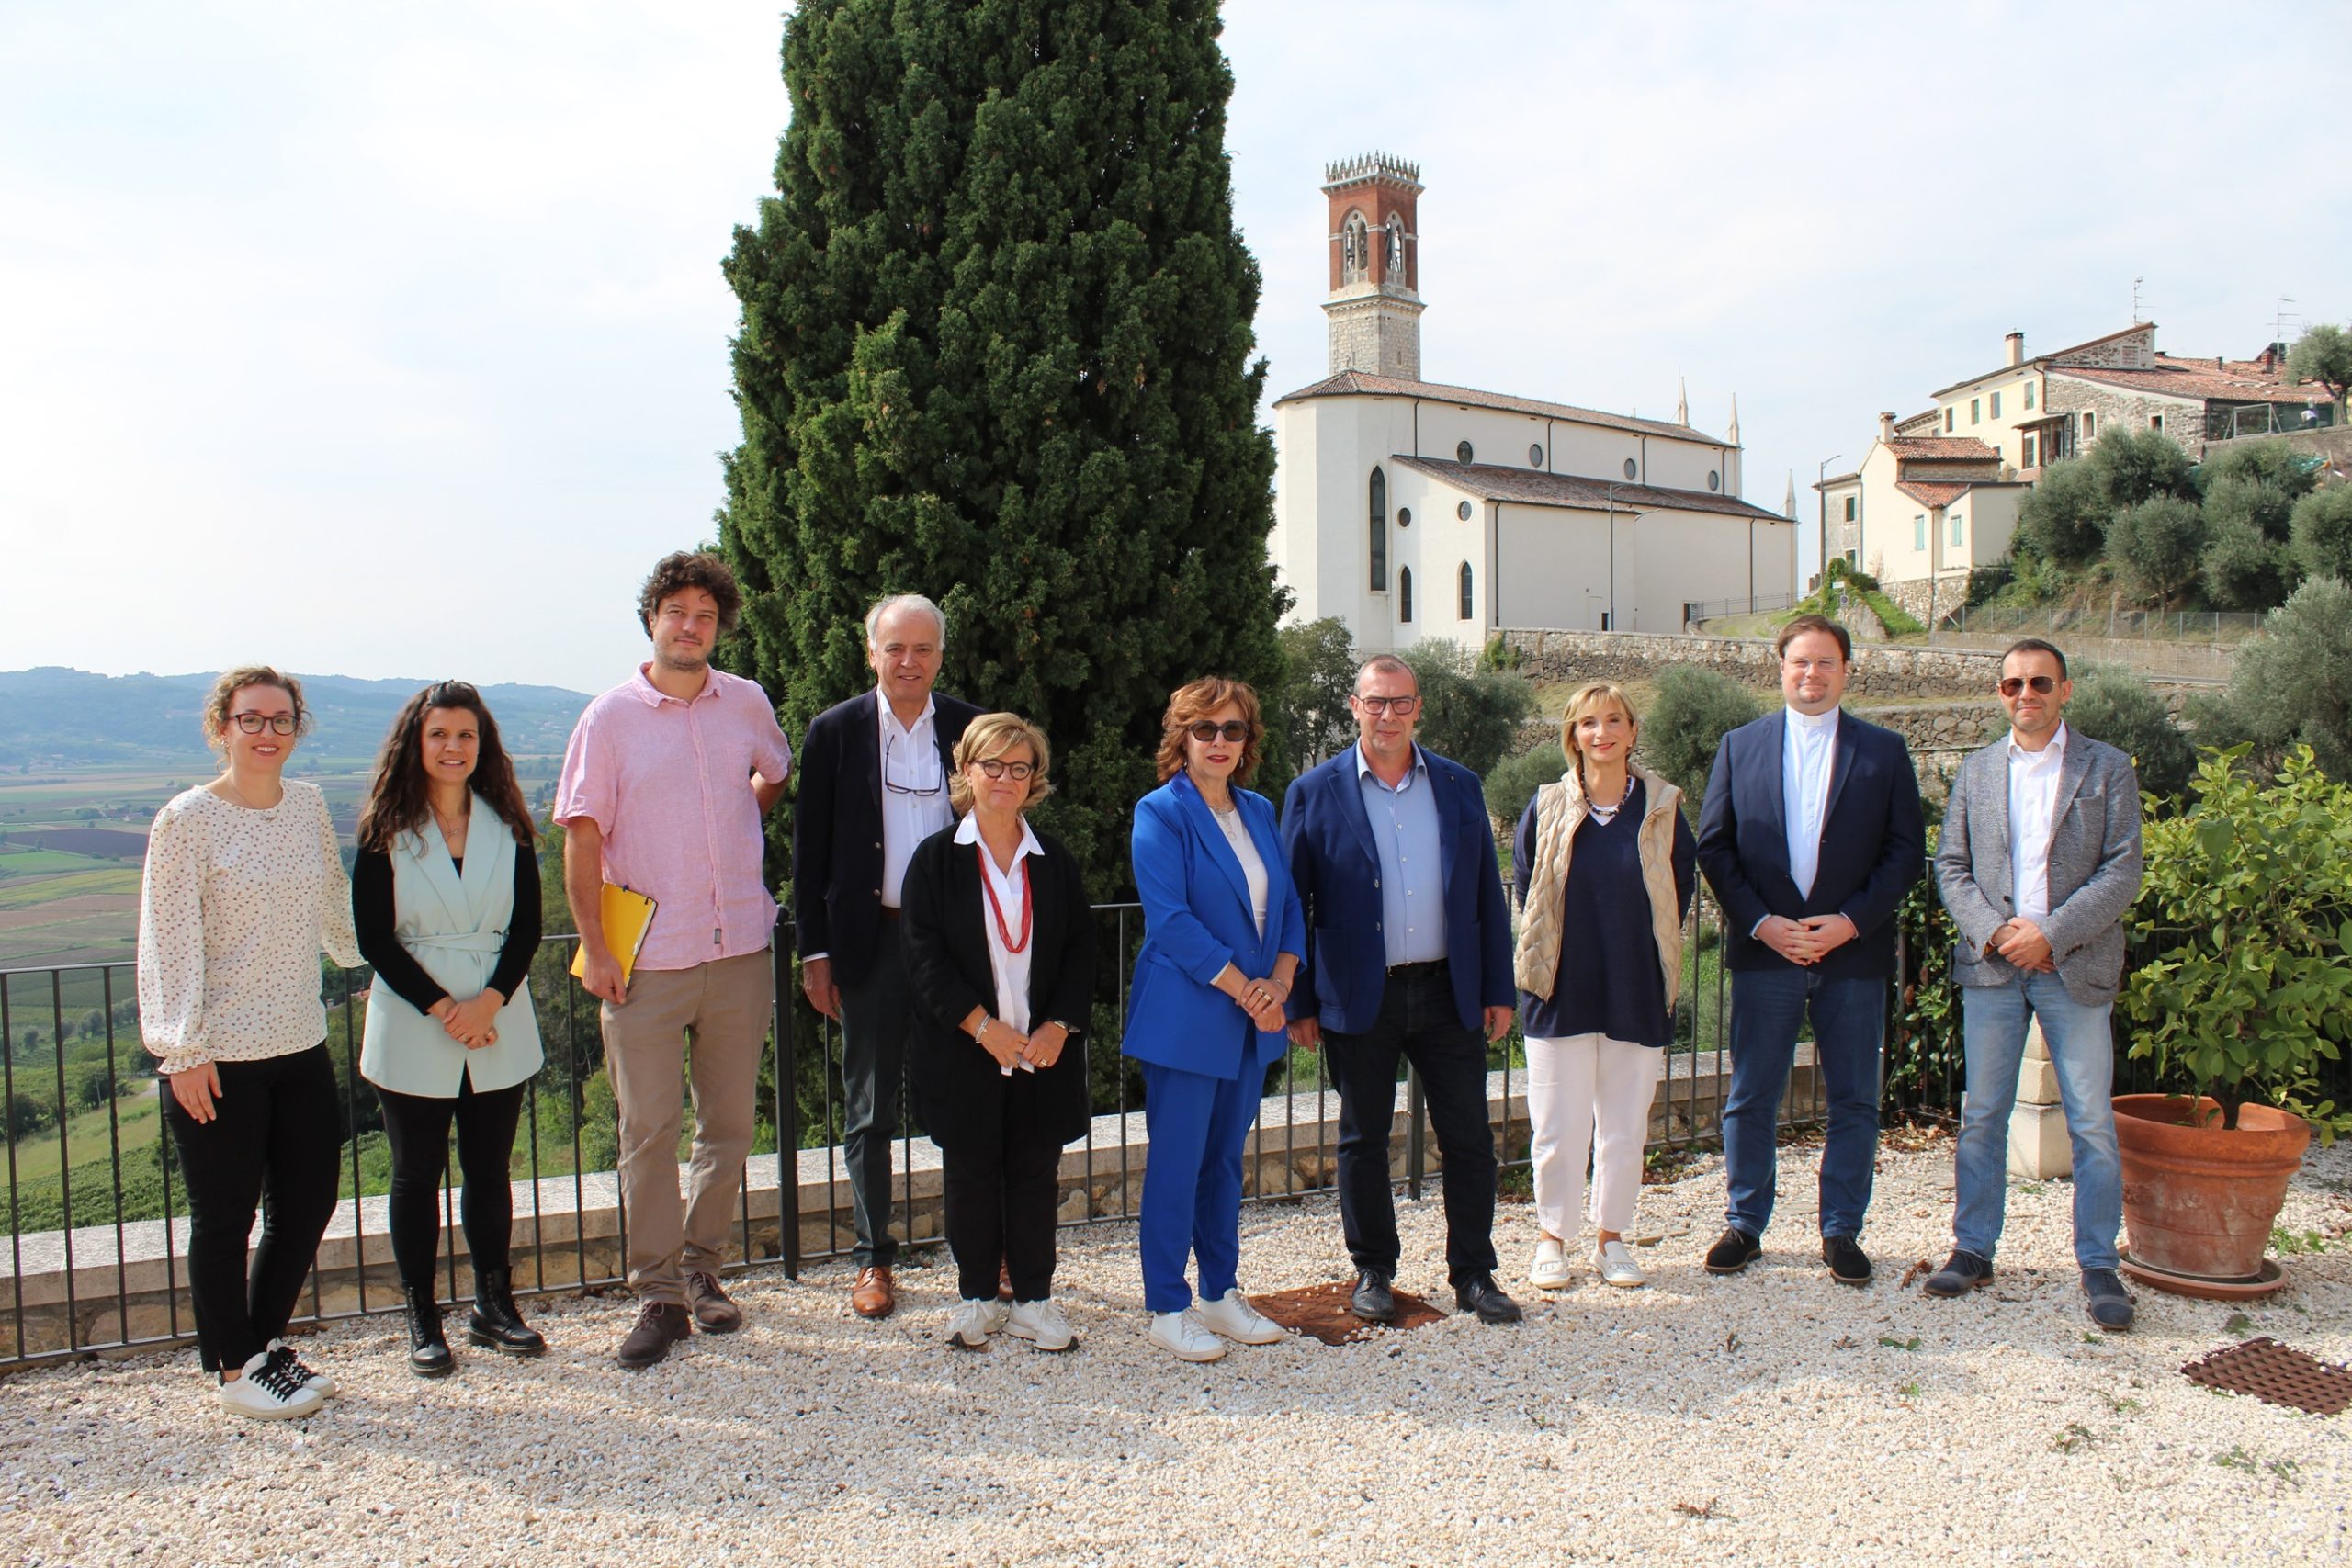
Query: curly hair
[(1188, 704), (681, 569), (397, 797), (991, 736), (224, 691)]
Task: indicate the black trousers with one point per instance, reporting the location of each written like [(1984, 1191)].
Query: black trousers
[(272, 1144), (875, 1016), (1000, 1187), (417, 1127), (1416, 1022)]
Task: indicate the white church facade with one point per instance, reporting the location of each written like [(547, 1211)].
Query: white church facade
[(1411, 509)]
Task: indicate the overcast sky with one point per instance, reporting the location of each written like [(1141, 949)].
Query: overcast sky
[(390, 340)]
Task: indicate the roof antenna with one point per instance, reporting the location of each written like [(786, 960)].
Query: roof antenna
[(2135, 300), (2280, 322)]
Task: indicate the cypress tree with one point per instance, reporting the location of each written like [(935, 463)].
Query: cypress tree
[(996, 347)]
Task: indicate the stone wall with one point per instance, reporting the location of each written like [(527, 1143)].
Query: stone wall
[(1878, 672)]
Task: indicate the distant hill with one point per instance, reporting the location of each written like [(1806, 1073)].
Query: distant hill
[(53, 715)]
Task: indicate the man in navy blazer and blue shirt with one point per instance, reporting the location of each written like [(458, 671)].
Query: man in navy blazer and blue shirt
[(1408, 952), (1810, 836), (874, 775)]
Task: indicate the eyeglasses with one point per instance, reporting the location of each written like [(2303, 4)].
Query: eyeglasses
[(1812, 666), (2042, 684), (1231, 729), (1401, 706), (895, 787), (997, 768), (255, 723)]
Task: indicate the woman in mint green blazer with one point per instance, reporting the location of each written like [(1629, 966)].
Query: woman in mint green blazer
[(445, 898)]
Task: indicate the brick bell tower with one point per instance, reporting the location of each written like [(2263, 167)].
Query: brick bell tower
[(1375, 306)]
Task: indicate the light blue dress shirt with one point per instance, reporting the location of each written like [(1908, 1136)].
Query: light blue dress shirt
[(1412, 869)]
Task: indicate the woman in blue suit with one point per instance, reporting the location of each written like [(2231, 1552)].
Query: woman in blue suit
[(1223, 933)]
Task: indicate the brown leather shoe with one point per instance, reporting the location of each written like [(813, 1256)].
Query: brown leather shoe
[(873, 1296), (1003, 1282), (658, 1325), (715, 1311)]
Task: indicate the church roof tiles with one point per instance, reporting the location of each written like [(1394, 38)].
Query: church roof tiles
[(1362, 383), (1496, 481)]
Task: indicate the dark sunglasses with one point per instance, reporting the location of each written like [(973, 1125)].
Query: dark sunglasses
[(2042, 684), (1231, 729)]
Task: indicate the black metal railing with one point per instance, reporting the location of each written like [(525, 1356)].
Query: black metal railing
[(72, 1064)]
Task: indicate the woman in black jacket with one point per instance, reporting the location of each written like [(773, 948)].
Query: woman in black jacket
[(1000, 953)]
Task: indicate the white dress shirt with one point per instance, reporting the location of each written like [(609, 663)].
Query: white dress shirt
[(1011, 969), (2033, 804), (1245, 849), (1808, 754), (914, 791)]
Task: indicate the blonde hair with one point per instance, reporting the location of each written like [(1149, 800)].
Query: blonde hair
[(991, 736), (1591, 698), (224, 693)]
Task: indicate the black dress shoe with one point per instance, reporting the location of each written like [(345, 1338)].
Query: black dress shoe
[(1373, 1301), (1963, 1272), (1479, 1293), (1735, 1251), (1849, 1264), (2107, 1301)]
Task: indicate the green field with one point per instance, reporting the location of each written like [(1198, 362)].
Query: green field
[(104, 877), (29, 863)]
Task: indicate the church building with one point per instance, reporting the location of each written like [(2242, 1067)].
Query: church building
[(1412, 509)]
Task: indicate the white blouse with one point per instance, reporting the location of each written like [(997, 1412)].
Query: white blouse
[(234, 909), (1245, 849), (1011, 969)]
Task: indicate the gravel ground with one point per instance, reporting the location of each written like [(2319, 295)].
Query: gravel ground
[(1776, 1416)]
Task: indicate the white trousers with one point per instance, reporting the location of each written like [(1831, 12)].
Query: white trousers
[(1589, 1097)]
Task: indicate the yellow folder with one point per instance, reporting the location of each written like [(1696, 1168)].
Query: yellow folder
[(628, 915)]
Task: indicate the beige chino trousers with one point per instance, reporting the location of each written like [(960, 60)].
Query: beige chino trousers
[(705, 1026)]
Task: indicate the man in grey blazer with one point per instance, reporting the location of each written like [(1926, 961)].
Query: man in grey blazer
[(2040, 860)]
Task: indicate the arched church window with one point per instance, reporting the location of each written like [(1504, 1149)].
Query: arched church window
[(1355, 249), (1465, 591), (1404, 592), (1379, 532)]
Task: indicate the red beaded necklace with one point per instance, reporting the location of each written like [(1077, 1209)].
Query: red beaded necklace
[(988, 885)]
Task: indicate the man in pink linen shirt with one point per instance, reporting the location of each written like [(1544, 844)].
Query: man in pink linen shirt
[(665, 784)]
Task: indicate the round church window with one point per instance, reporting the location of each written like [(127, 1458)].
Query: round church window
[(1714, 479), (1461, 452), (1535, 457), (1404, 517), (1462, 512), (1631, 468)]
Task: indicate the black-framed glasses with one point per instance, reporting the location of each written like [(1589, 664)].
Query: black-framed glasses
[(2042, 684), (1401, 706), (1231, 729), (255, 723), (997, 768), (895, 787)]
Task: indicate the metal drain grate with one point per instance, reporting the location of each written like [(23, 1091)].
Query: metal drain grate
[(2276, 1374)]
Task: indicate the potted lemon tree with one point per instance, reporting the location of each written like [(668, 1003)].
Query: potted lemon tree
[(2242, 1000)]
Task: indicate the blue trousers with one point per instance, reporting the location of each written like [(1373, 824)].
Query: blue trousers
[(1191, 1182), (1849, 1032), (2082, 1048)]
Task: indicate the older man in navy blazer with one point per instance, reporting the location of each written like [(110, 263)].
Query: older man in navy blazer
[(1409, 952), (874, 777), (1810, 836)]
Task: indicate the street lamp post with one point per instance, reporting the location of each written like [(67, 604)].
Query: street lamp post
[(1820, 478)]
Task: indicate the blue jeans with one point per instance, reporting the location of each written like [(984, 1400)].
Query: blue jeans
[(1848, 1031), (2082, 1049)]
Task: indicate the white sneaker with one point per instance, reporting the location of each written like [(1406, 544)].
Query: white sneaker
[(1040, 1323), (1232, 1316), (1549, 1271), (974, 1321), (271, 1389), (1617, 1265), (311, 1377), (1180, 1334)]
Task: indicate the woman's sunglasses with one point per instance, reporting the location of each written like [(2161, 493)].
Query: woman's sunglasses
[(2042, 684), (1231, 729)]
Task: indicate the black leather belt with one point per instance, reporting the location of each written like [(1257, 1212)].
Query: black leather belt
[(1426, 967)]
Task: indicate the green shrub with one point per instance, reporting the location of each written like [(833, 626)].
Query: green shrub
[(2244, 569), (2322, 532), (2062, 519), (2134, 467), (1693, 712), (1513, 781), (2113, 703), (1468, 714), (2158, 546), (2248, 905), (2293, 685)]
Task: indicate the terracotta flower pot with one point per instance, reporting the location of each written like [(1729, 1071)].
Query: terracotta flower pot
[(2200, 1200)]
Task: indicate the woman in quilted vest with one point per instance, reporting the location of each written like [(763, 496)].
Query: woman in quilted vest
[(1605, 867)]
